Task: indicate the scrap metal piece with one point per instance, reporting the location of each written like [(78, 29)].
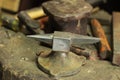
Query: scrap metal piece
[(89, 51), (67, 15), (36, 12), (116, 38)]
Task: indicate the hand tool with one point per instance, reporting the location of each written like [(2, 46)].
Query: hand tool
[(32, 25), (36, 12), (10, 22), (104, 47), (61, 62), (25, 24), (88, 51)]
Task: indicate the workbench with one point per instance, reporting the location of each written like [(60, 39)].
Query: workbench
[(18, 61)]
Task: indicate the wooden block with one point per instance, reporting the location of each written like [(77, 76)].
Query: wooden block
[(116, 38), (11, 5), (17, 5)]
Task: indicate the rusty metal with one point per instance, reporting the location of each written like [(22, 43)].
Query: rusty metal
[(89, 51), (67, 15), (104, 47), (116, 38), (59, 62), (43, 21)]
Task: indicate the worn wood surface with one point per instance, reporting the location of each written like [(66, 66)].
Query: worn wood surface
[(116, 38), (11, 5)]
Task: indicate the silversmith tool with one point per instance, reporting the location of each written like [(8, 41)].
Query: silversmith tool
[(61, 62)]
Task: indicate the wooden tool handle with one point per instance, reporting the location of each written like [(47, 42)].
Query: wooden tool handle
[(99, 32), (36, 12)]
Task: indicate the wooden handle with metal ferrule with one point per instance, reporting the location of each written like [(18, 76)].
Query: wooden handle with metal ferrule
[(34, 13)]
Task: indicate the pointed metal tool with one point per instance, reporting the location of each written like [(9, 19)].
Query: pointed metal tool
[(62, 62)]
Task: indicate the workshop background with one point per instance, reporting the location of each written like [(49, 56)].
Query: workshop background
[(19, 18)]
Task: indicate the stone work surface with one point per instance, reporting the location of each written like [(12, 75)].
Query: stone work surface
[(17, 57)]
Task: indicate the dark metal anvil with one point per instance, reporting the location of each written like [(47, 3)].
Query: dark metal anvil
[(67, 15), (62, 62)]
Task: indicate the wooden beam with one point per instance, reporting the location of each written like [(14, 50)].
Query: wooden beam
[(116, 38)]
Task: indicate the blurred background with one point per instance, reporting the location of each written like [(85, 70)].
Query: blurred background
[(14, 6)]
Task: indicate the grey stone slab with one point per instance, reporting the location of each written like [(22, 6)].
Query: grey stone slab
[(17, 57)]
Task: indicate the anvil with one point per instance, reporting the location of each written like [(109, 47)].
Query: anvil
[(62, 41), (62, 62)]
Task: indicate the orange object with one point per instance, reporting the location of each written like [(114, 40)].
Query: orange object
[(43, 21), (104, 47)]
